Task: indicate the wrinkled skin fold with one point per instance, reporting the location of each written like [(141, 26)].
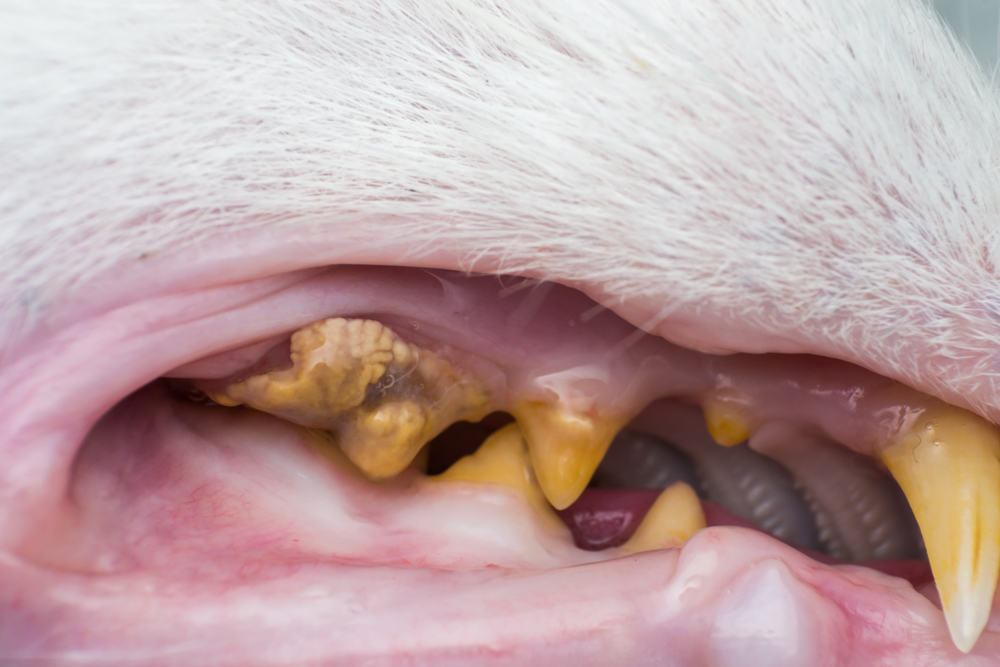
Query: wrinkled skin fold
[(185, 184)]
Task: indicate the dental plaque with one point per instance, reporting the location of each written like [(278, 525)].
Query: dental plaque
[(382, 398), (642, 431)]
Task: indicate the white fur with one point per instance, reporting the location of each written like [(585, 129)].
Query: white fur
[(826, 166)]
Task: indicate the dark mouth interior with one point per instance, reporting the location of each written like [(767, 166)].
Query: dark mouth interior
[(753, 490)]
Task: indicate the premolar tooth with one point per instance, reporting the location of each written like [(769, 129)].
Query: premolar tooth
[(566, 447), (672, 519), (503, 459), (948, 466)]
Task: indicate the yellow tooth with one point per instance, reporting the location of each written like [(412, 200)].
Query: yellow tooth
[(421, 460), (222, 399), (948, 466), (382, 397), (727, 424), (334, 362), (382, 441), (672, 519), (503, 459), (566, 447)]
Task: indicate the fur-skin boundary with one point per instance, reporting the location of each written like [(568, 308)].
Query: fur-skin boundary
[(824, 170)]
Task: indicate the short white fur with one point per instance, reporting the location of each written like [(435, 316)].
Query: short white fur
[(820, 171)]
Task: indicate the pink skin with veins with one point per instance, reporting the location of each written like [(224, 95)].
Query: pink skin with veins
[(186, 512)]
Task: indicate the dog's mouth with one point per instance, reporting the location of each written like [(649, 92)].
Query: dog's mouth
[(380, 465)]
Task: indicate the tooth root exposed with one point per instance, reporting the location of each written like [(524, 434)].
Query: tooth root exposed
[(726, 423), (672, 519), (382, 397), (948, 466), (503, 459), (566, 447)]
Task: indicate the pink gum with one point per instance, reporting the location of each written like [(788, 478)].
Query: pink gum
[(688, 604)]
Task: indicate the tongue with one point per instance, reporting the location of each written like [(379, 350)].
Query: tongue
[(603, 518)]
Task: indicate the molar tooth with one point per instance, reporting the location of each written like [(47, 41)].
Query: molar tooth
[(382, 397), (672, 519), (503, 459), (383, 440), (948, 465), (566, 447)]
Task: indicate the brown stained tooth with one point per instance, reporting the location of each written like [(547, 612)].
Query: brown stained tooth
[(382, 397)]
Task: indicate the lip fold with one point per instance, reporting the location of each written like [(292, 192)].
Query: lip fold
[(700, 602), (168, 524)]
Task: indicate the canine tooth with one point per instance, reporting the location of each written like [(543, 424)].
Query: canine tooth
[(672, 519), (566, 447), (948, 466), (727, 424), (382, 397), (503, 459)]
